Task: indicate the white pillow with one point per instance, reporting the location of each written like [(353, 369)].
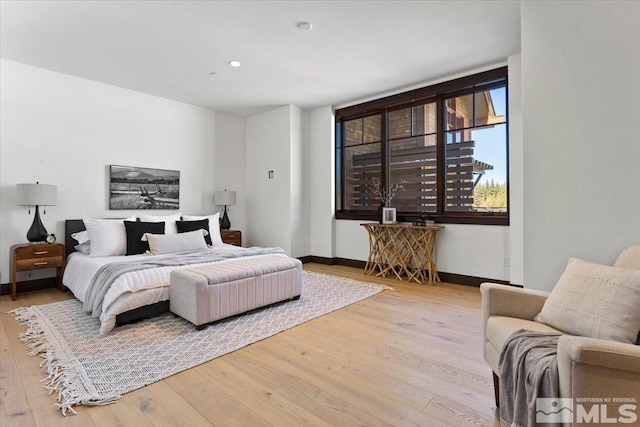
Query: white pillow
[(85, 248), (596, 301), (107, 236), (169, 221), (214, 226), (171, 243), (81, 236)]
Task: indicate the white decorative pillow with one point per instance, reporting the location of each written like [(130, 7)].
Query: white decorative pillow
[(85, 248), (169, 221), (629, 258), (107, 236), (596, 301), (171, 243), (214, 226), (81, 236)]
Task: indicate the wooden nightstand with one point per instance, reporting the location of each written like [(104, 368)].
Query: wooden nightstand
[(231, 237), (25, 257)]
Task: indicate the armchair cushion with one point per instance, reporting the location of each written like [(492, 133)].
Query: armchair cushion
[(629, 258), (596, 301), (500, 328)]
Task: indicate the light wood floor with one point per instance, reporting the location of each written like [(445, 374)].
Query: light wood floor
[(411, 356)]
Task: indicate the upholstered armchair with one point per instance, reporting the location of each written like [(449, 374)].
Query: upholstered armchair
[(587, 367)]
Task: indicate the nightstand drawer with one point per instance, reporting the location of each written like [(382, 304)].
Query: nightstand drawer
[(231, 237), (38, 263), (39, 251)]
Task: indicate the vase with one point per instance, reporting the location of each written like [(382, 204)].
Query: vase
[(382, 205)]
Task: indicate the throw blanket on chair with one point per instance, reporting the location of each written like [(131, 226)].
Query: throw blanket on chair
[(528, 370)]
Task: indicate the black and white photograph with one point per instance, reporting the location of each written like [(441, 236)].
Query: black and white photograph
[(388, 215), (133, 187)]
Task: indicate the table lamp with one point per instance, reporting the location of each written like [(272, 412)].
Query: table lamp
[(36, 195), (226, 198)]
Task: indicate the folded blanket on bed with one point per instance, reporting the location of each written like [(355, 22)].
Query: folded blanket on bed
[(528, 370), (107, 274)]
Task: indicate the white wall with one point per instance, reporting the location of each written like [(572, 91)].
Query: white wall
[(580, 68), (516, 172), (300, 195), (63, 130), (268, 200), (322, 182), (470, 250), (230, 165), (278, 208)]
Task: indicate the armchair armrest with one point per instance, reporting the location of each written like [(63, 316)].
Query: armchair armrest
[(510, 301), (591, 351), (589, 367)]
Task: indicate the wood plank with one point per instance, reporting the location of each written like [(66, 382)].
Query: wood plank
[(380, 410), (220, 408), (162, 406), (14, 405), (258, 394)]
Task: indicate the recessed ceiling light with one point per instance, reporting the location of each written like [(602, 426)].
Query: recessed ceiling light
[(212, 73), (304, 26), (234, 63)]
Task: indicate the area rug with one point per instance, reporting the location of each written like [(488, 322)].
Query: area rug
[(85, 368)]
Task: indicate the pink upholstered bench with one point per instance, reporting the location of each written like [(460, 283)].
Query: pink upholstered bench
[(215, 291)]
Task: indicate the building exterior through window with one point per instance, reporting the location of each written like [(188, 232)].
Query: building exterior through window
[(444, 153)]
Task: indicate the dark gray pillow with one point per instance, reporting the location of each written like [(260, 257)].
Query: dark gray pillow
[(186, 226)]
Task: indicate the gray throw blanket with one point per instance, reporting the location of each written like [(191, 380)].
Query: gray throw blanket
[(107, 274), (528, 370)]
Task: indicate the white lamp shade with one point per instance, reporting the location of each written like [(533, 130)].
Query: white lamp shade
[(227, 198), (36, 194)]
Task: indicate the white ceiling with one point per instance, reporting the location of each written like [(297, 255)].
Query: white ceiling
[(168, 48)]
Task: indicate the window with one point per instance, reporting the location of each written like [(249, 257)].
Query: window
[(446, 145)]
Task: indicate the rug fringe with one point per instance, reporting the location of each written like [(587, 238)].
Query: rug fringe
[(64, 381)]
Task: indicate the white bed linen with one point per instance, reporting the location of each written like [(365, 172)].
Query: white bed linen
[(130, 290)]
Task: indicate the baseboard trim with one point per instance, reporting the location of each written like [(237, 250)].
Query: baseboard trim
[(462, 279), (318, 260), (351, 262), (29, 285), (459, 279)]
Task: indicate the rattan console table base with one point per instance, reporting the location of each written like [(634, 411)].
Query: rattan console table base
[(404, 251)]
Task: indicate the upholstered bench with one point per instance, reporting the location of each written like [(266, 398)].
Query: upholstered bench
[(218, 290)]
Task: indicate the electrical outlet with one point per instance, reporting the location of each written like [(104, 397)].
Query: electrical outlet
[(304, 243), (505, 261)]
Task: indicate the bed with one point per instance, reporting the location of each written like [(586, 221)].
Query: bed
[(144, 291)]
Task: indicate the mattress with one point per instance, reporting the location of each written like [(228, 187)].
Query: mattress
[(131, 290)]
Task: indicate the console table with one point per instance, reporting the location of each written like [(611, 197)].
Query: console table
[(406, 251)]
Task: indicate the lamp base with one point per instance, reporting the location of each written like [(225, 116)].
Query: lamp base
[(225, 224), (37, 233)]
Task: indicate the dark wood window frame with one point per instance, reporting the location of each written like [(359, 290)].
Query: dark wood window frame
[(435, 93)]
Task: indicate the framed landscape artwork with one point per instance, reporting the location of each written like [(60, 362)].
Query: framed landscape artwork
[(132, 187)]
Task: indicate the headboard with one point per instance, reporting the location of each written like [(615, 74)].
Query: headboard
[(71, 226)]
